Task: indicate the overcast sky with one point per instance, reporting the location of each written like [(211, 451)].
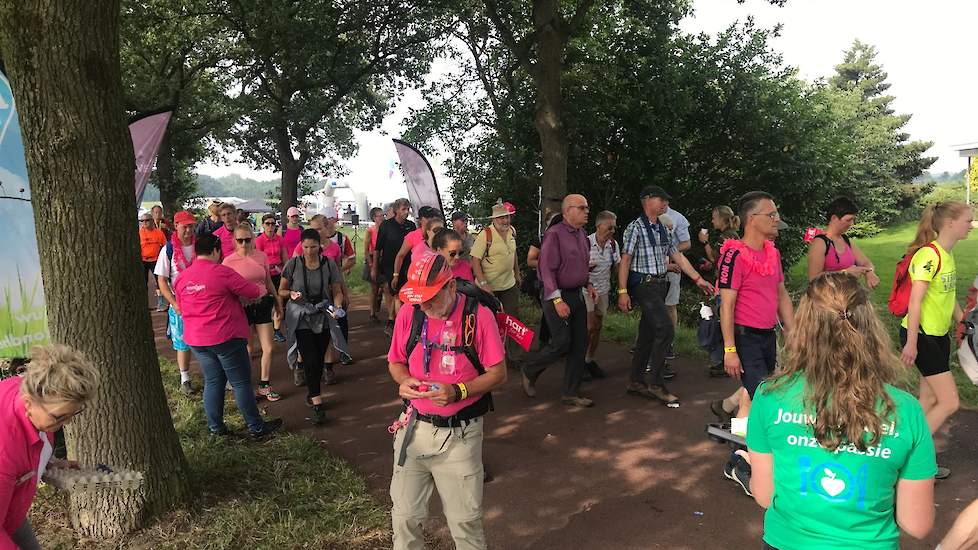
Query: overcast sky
[(924, 46)]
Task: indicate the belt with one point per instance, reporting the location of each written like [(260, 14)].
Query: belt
[(741, 329), (446, 421), (646, 278)]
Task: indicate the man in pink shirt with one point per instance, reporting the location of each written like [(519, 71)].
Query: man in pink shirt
[(216, 329), (228, 214), (446, 375)]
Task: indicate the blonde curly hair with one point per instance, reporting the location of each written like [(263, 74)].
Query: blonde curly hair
[(59, 373)]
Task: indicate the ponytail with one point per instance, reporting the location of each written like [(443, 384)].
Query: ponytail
[(932, 221), (728, 219)]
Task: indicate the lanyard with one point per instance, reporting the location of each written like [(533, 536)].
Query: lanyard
[(427, 346), (653, 244)]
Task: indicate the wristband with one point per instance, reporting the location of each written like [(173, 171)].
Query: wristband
[(394, 276), (730, 349), (458, 392), (465, 391), (557, 301), (622, 291), (483, 283), (697, 280)]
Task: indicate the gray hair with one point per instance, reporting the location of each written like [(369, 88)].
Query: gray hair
[(59, 373), (605, 216), (399, 203)]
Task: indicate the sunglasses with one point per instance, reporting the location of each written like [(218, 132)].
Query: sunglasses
[(244, 241)]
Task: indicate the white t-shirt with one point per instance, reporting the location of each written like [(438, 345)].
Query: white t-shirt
[(46, 452), (601, 262), (168, 268)]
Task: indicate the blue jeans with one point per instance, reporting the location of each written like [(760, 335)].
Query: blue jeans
[(222, 363)]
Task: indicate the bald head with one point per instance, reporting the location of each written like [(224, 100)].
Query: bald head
[(575, 210)]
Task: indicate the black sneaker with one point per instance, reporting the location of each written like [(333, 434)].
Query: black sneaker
[(594, 370), (220, 432), (943, 472), (318, 415), (270, 427), (345, 359), (738, 470)]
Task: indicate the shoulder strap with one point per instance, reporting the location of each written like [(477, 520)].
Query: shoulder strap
[(169, 251), (469, 316), (417, 320), (485, 253), (938, 252), (828, 242)]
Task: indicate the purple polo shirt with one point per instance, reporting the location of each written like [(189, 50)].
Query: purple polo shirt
[(564, 256)]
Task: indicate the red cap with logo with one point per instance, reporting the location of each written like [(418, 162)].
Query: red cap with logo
[(426, 277), (183, 217)]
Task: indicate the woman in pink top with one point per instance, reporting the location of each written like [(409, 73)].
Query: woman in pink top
[(292, 230), (832, 250), (376, 216), (253, 265), (273, 245), (448, 243), (423, 247), (57, 384)]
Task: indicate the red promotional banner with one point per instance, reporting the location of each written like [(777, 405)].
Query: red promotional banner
[(515, 329)]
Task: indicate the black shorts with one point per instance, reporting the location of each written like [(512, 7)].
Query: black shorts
[(260, 313), (758, 353), (933, 353)]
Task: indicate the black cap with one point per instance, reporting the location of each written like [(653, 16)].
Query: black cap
[(428, 212), (654, 191), (460, 216)]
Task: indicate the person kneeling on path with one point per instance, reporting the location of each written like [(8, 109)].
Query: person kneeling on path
[(216, 329), (446, 355), (645, 253), (564, 259)]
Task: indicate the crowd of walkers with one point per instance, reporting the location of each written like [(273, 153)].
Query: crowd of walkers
[(836, 453)]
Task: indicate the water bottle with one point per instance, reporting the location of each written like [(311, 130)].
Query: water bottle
[(706, 312), (447, 366), (336, 312)]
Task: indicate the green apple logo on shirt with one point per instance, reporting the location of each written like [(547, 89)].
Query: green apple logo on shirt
[(833, 481)]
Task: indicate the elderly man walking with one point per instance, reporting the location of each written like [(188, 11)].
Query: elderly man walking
[(646, 251), (564, 260)]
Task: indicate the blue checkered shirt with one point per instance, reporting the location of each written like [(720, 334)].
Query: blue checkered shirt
[(649, 258)]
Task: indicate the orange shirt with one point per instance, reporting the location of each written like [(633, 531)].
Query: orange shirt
[(151, 241)]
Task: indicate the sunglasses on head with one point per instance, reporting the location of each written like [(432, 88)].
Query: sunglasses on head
[(245, 240)]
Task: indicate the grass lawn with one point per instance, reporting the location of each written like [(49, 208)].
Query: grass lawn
[(285, 492)]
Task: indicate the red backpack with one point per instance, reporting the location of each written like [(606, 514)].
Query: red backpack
[(900, 293)]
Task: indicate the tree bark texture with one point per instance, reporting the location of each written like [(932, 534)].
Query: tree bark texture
[(165, 177), (548, 117), (290, 187), (63, 63)]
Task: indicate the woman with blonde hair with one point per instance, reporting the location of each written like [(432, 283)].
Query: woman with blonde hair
[(932, 307), (840, 458), (727, 224), (55, 387)]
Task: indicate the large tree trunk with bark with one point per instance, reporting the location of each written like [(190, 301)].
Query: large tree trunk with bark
[(548, 118), (165, 177), (63, 62), (290, 187)]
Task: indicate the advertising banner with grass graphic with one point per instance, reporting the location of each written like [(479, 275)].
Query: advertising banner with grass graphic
[(23, 318)]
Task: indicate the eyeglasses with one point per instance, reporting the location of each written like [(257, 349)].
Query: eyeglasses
[(269, 223), (59, 418), (244, 241), (773, 215)]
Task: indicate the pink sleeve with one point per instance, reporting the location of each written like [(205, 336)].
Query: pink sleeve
[(8, 481), (297, 251), (488, 344), (402, 330)]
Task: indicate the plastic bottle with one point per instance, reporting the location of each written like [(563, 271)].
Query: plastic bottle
[(706, 312), (447, 366)]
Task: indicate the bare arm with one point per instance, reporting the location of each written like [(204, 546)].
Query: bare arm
[(480, 276), (816, 258), (964, 532), (164, 285), (283, 288), (533, 257), (915, 506), (917, 291), (786, 311), (762, 477), (337, 289), (399, 259), (270, 288), (683, 246)]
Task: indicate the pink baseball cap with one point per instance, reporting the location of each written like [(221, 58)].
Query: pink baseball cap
[(293, 211)]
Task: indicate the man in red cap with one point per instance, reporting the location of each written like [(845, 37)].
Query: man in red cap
[(175, 258), (446, 356)]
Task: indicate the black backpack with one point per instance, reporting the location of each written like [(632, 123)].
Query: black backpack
[(474, 297)]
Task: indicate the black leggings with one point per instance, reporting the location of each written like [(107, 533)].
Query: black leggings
[(312, 347)]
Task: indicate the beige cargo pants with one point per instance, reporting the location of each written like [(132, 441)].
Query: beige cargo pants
[(451, 460)]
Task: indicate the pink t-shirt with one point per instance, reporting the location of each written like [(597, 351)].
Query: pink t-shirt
[(209, 296), (488, 345), (757, 293), (291, 238), (462, 270), (272, 247), (227, 240), (253, 268), (414, 237), (330, 249), (20, 457), (420, 250)]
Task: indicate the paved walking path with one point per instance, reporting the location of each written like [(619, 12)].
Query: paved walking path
[(626, 474)]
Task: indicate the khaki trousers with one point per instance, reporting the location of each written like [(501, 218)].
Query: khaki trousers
[(451, 460)]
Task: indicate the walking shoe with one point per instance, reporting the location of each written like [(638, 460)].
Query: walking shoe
[(528, 385), (318, 417), (667, 372), (942, 473), (577, 401), (268, 393), (299, 376), (717, 371), (660, 393), (187, 388), (279, 337), (330, 376), (716, 407), (592, 369), (270, 427), (738, 470), (220, 432), (345, 359)]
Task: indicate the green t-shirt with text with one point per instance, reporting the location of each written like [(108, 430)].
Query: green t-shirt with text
[(937, 309), (842, 499)]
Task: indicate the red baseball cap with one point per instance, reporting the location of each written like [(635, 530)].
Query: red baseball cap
[(184, 217), (426, 277)]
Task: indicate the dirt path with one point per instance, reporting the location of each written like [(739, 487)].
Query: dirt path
[(626, 474)]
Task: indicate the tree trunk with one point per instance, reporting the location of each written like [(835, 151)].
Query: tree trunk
[(548, 118), (290, 187), (63, 62), (165, 177)]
